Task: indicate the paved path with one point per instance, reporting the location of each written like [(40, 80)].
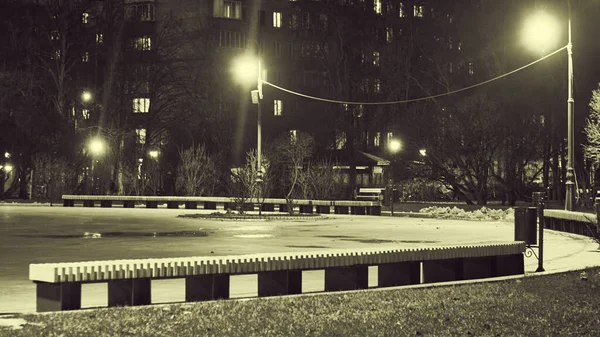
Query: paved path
[(33, 234)]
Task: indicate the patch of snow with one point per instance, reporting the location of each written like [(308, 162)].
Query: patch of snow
[(89, 235), (483, 214)]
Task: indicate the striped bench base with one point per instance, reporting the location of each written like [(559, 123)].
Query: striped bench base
[(129, 281)]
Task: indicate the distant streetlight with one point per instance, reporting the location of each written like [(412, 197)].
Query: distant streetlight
[(153, 154), (86, 96), (6, 155), (541, 33), (247, 70), (96, 146), (394, 146), (423, 152), (8, 168)]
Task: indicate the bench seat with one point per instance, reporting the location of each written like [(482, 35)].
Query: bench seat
[(59, 284)]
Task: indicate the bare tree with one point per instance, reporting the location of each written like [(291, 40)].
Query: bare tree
[(195, 171), (292, 152), (320, 180), (52, 177), (465, 145), (244, 184)]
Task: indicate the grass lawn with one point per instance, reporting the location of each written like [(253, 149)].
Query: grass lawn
[(553, 305)]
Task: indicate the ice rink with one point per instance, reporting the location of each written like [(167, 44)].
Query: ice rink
[(38, 234)]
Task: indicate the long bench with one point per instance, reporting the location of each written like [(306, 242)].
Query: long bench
[(304, 206), (570, 222), (58, 285)]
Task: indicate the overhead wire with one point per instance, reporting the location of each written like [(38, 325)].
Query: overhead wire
[(414, 99)]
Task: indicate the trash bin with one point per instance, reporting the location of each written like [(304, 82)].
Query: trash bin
[(526, 225)]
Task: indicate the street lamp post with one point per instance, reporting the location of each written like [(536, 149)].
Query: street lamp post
[(570, 183), (539, 32), (259, 172), (244, 70), (394, 146)]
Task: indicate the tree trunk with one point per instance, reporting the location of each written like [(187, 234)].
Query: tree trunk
[(23, 185), (2, 181)]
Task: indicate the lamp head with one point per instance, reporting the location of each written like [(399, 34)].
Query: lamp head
[(395, 145), (541, 32), (245, 69)]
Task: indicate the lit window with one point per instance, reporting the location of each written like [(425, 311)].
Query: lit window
[(418, 11), (293, 134), (449, 42), (377, 139), (99, 38), (85, 57), (389, 137), (377, 6), (85, 18), (277, 107), (389, 34), (277, 49), (142, 43), (471, 71), (402, 11), (449, 18), (377, 85), (85, 113), (459, 46), (362, 58), (277, 19), (140, 136), (376, 58), (141, 105), (232, 9)]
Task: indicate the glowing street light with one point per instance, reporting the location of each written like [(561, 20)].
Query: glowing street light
[(395, 145), (8, 168), (245, 69), (541, 32), (96, 146), (153, 154), (86, 96), (6, 155), (423, 152)]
